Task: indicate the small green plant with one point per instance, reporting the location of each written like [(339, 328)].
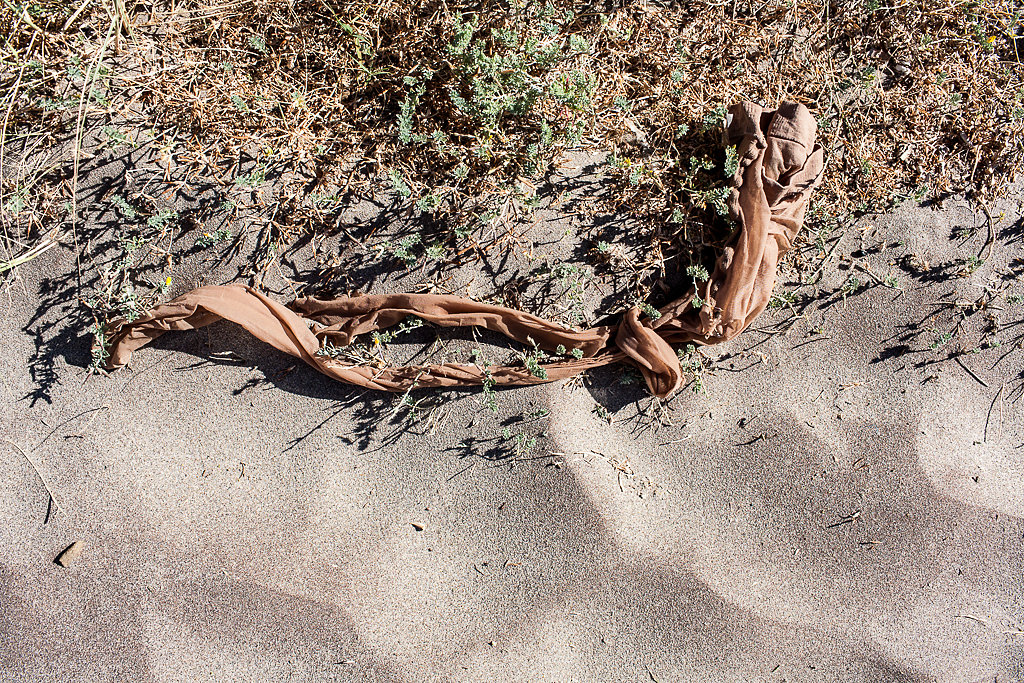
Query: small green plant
[(414, 409), (630, 377), (161, 219), (732, 161), (574, 279), (429, 203), (434, 251), (116, 139), (714, 118), (522, 445), (257, 43), (704, 190), (130, 305), (578, 43), (985, 41), (17, 201), (940, 340), (126, 210), (407, 112), (782, 300), (462, 35), (209, 239), (971, 264), (371, 353), (488, 383), (575, 353), (693, 362), (239, 104), (636, 172), (532, 362), (100, 347), (398, 183), (649, 310), (698, 274), (253, 179), (850, 287), (498, 80), (405, 249), (383, 338)]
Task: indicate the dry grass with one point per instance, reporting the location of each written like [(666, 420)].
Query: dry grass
[(292, 107)]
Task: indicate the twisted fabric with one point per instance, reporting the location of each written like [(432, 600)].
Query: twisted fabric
[(779, 165)]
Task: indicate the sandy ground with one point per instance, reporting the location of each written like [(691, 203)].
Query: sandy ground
[(842, 504)]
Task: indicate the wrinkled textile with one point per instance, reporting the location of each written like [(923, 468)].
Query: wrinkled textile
[(779, 165)]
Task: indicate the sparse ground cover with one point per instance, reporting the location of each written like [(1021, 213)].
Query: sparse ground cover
[(160, 142)]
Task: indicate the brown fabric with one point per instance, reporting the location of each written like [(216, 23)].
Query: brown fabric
[(779, 165)]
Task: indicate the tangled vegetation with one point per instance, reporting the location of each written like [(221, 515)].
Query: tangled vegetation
[(462, 110)]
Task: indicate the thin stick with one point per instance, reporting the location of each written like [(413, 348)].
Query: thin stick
[(74, 16), (49, 491), (991, 242), (83, 106), (989, 416), (24, 16), (7, 112), (69, 420), (969, 371)]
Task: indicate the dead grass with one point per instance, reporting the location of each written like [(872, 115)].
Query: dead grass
[(463, 108)]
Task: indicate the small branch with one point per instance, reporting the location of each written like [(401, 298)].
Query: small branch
[(49, 491), (969, 371), (988, 417), (991, 242)]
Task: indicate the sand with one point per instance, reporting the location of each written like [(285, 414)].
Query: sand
[(843, 503)]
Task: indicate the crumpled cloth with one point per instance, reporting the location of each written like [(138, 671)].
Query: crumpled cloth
[(779, 166)]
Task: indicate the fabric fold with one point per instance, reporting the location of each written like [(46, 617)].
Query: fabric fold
[(779, 165)]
